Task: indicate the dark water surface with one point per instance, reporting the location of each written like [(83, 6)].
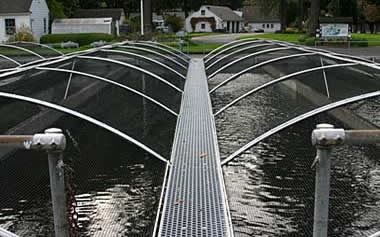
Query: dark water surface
[(271, 186)]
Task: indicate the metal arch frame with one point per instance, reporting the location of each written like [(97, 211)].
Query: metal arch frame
[(38, 44), (145, 58), (233, 47), (246, 57), (235, 76), (226, 45), (10, 59), (39, 61), (236, 52), (299, 119), (133, 67), (168, 47), (275, 81), (22, 49), (86, 118), (110, 82), (153, 52), (159, 48)]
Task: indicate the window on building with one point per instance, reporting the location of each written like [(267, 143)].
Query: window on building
[(203, 12), (263, 25), (45, 25), (10, 26), (267, 25), (203, 26), (271, 26)]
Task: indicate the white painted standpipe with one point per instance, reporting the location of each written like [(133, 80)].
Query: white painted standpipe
[(142, 16), (57, 187)]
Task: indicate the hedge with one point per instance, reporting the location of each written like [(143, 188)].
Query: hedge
[(82, 39)]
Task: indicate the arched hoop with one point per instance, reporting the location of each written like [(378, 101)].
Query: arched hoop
[(299, 119), (134, 68), (280, 80), (38, 44), (86, 118), (108, 81), (22, 49)]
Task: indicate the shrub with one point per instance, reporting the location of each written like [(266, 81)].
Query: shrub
[(23, 33), (82, 39), (174, 22), (310, 41)]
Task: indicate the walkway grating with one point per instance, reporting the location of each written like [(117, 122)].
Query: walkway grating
[(195, 201)]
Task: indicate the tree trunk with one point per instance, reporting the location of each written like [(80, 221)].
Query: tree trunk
[(315, 12), (148, 16), (283, 7), (300, 15)]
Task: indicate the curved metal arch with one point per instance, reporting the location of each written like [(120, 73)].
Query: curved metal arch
[(10, 59), (299, 119), (39, 61), (232, 47), (22, 49), (245, 57), (159, 48), (235, 76), (145, 58), (38, 44), (152, 52), (168, 47), (133, 67), (279, 80), (86, 118), (226, 45), (235, 52), (110, 82)]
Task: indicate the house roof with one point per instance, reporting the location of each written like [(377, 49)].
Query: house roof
[(115, 13), (225, 13), (15, 6), (346, 20)]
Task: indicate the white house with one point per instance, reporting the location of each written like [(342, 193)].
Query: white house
[(255, 20), (117, 14), (82, 25), (30, 13), (214, 18)]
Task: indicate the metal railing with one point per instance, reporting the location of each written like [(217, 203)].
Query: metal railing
[(53, 141), (325, 138)]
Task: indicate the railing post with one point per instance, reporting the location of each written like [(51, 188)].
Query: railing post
[(57, 187), (325, 138)]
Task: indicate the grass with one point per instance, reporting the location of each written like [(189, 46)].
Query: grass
[(192, 35), (283, 37), (293, 38)]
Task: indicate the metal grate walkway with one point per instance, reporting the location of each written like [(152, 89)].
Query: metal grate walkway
[(195, 202)]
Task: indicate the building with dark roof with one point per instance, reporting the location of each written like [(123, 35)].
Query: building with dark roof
[(17, 13), (117, 15), (258, 20), (214, 18)]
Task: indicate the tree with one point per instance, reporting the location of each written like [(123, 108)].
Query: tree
[(301, 15), (372, 13), (314, 16), (174, 22), (283, 14), (56, 9)]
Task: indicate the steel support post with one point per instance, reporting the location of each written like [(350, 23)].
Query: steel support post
[(57, 188), (325, 138)]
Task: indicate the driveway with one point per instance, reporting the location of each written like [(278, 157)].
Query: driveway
[(222, 38)]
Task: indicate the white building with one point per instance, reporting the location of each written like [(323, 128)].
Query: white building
[(256, 21), (82, 25), (214, 18), (117, 14), (33, 14)]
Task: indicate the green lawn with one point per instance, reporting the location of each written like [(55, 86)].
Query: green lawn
[(283, 37), (373, 39), (192, 35)]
